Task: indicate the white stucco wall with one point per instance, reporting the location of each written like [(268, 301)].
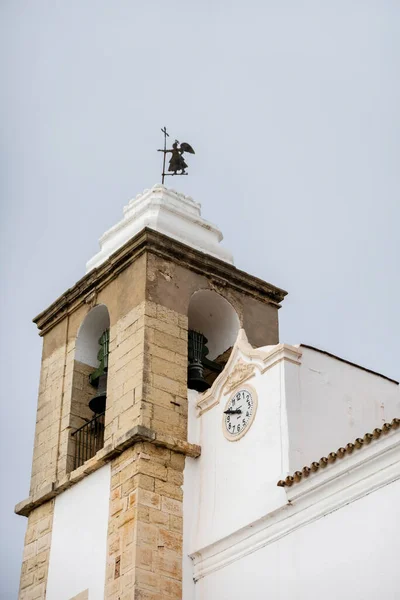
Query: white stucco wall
[(247, 469), (306, 409), (350, 554), (331, 403), (234, 483), (79, 539)]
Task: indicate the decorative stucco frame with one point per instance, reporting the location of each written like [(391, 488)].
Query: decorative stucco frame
[(242, 365)]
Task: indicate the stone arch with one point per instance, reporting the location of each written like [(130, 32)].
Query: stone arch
[(87, 340), (212, 315), (87, 426)]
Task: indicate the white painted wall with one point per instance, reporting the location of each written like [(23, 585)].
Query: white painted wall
[(333, 404), (79, 539), (350, 554), (233, 483), (306, 409), (244, 471)]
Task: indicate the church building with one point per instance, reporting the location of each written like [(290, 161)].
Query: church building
[(183, 452)]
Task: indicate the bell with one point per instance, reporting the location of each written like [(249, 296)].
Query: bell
[(196, 351), (98, 403)]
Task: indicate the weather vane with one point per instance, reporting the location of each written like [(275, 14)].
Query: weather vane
[(177, 162)]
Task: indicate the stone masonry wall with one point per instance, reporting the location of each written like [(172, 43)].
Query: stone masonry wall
[(172, 285), (144, 554), (165, 380), (125, 375), (147, 373), (44, 464), (35, 562)]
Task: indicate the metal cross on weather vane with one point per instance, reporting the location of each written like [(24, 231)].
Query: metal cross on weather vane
[(177, 162)]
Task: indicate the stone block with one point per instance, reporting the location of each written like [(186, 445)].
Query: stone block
[(129, 486), (146, 579), (168, 489), (171, 506), (175, 523), (147, 498), (144, 557), (163, 326), (157, 453), (175, 477), (143, 513), (170, 588), (170, 342), (147, 534), (142, 594), (27, 580), (158, 517), (146, 482), (153, 469), (161, 427), (166, 384), (128, 419), (170, 540), (177, 461), (168, 415), (169, 563), (132, 382), (166, 368)]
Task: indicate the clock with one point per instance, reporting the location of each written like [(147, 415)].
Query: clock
[(239, 413)]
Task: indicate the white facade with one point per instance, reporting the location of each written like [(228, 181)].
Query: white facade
[(79, 539), (332, 534), (349, 553)]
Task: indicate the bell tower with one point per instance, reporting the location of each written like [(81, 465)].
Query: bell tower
[(158, 311)]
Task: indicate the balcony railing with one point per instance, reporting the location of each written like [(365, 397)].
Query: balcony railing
[(89, 439)]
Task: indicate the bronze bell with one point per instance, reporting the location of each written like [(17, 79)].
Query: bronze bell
[(98, 403), (99, 377), (197, 350)]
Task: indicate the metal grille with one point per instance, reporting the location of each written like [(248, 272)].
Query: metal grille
[(89, 439)]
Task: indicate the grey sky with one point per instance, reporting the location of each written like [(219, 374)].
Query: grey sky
[(293, 110)]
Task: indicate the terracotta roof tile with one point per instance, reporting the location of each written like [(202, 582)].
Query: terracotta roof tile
[(325, 461)]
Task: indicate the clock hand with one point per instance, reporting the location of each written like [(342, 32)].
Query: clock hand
[(233, 412)]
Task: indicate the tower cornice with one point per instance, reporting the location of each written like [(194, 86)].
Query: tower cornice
[(150, 241)]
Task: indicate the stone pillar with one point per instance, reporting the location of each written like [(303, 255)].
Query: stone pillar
[(35, 562), (144, 555)]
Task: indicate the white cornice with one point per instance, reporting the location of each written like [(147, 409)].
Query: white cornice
[(344, 482), (243, 361)]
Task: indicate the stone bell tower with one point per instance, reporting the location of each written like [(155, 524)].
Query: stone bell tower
[(105, 516)]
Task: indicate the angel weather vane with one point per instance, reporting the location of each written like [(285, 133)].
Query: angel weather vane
[(177, 162)]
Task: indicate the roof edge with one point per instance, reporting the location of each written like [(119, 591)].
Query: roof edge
[(349, 362)]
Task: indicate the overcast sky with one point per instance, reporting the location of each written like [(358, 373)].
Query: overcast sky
[(293, 110)]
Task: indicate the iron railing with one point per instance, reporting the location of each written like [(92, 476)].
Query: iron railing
[(89, 439)]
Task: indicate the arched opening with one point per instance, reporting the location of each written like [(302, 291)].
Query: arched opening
[(213, 329), (89, 387)]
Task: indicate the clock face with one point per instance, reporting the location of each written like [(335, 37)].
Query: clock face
[(239, 413)]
